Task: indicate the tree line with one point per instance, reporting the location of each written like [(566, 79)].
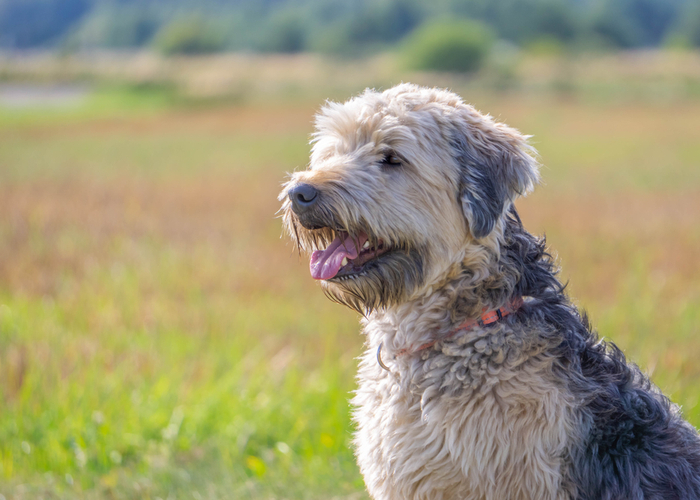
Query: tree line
[(347, 27)]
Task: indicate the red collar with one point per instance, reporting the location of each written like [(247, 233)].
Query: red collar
[(487, 318)]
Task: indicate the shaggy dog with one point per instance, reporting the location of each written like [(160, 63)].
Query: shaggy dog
[(480, 379)]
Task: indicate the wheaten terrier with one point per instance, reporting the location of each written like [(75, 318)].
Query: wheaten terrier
[(480, 379)]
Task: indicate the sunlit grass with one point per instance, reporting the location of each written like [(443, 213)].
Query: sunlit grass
[(138, 364), (158, 339)]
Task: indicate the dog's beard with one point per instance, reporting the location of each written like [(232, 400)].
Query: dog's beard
[(307, 239), (387, 281)]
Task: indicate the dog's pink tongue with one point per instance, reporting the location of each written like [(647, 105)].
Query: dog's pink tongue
[(326, 263)]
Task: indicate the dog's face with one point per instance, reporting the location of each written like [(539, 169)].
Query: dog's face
[(403, 189)]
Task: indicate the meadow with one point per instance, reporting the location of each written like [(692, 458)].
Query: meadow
[(158, 339)]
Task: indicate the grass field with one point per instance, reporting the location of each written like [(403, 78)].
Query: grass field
[(159, 340)]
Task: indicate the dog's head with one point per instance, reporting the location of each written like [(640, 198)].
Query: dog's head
[(405, 188)]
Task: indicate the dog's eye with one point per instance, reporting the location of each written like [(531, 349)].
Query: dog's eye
[(391, 160)]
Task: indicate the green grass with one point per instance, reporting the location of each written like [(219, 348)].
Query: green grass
[(145, 349), (148, 373), (159, 340), (99, 100)]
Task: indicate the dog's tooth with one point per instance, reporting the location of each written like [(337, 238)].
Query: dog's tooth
[(366, 245), (345, 261)]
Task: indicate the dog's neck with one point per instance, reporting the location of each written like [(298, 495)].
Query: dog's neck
[(434, 315), (521, 268)]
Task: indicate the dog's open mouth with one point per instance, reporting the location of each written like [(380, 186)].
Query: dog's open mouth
[(346, 256)]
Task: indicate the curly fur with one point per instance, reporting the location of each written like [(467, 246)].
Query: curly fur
[(534, 406)]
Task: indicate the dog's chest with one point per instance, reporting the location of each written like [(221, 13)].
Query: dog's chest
[(506, 437)]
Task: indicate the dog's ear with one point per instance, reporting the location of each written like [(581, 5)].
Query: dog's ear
[(496, 166)]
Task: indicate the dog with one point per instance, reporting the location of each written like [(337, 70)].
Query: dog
[(480, 379)]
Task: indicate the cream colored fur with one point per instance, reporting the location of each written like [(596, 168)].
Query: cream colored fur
[(500, 431)]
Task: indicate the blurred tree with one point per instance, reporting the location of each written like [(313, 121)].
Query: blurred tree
[(116, 28), (613, 26), (457, 46), (346, 26), (31, 23), (365, 26), (654, 18), (630, 23), (286, 32), (188, 36), (690, 25), (384, 21), (556, 19), (618, 33), (511, 19)]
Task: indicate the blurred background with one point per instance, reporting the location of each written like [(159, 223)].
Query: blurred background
[(158, 339)]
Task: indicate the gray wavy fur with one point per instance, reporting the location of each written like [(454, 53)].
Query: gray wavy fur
[(638, 445)]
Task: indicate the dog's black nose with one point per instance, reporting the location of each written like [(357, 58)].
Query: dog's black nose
[(303, 197)]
